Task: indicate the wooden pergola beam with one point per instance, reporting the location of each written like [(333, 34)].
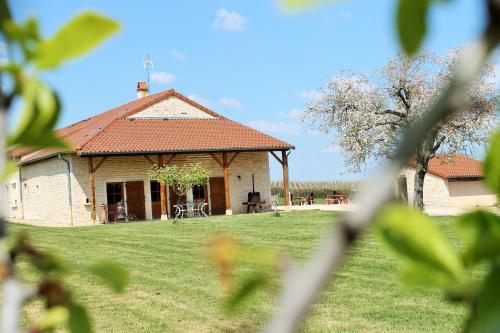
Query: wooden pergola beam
[(276, 157), (149, 159), (286, 189), (99, 163), (217, 160), (170, 159), (163, 193), (232, 158), (225, 167)]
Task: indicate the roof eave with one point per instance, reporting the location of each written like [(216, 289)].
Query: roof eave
[(211, 150)]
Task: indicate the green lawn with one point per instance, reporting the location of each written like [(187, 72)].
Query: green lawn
[(175, 289)]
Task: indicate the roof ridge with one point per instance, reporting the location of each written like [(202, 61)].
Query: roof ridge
[(158, 97)]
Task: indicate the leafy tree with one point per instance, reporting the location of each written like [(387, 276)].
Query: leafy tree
[(27, 54), (181, 179), (368, 115)]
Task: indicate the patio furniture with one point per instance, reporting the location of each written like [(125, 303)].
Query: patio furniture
[(299, 201), (275, 201), (190, 209), (336, 199), (256, 206)]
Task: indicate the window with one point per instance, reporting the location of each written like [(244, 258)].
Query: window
[(114, 192), (155, 191), (199, 193)]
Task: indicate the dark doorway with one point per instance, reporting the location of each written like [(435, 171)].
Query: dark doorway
[(114, 194), (217, 196), (135, 199), (402, 189), (155, 199)]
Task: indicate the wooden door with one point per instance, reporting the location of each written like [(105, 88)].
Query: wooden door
[(217, 196), (155, 199), (136, 203), (403, 189)]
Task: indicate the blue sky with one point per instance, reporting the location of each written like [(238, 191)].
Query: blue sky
[(249, 60)]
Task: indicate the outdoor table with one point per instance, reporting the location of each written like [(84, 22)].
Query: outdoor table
[(191, 209), (335, 198)]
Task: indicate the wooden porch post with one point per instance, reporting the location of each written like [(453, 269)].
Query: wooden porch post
[(286, 190), (92, 190), (163, 194), (225, 166)]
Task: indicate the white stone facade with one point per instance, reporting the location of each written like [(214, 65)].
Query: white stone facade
[(44, 197), (440, 192), (171, 108)]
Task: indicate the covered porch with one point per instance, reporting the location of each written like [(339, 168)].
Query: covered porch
[(114, 178)]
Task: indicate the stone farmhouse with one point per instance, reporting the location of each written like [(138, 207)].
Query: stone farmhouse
[(111, 153), (451, 181)]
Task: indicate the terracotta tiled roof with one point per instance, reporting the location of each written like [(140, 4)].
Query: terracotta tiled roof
[(454, 166), (112, 133)]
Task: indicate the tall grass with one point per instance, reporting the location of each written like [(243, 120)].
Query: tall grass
[(320, 189)]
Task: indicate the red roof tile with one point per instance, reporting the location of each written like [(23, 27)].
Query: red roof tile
[(454, 166), (112, 133)]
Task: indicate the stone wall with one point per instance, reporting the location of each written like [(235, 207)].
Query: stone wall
[(44, 194), (45, 184), (436, 192), (470, 194), (12, 198)]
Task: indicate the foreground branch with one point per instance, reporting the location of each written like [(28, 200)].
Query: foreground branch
[(302, 286)]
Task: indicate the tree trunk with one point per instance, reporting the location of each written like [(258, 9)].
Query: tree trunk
[(418, 192), (424, 154)]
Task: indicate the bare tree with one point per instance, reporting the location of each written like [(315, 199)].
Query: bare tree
[(368, 114)]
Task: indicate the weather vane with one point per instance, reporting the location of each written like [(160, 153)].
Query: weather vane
[(148, 63)]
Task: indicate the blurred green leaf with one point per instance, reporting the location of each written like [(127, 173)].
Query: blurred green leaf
[(79, 321), (486, 318), (411, 20), (492, 163), (244, 288), (80, 35), (425, 276), (9, 168), (114, 274), (481, 232), (4, 13), (412, 235), (52, 318), (40, 114), (48, 263)]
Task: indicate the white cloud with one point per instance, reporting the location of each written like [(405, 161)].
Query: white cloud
[(333, 148), (230, 102), (309, 95), (162, 77), (199, 99), (294, 114), (275, 127), (177, 54), (229, 20)]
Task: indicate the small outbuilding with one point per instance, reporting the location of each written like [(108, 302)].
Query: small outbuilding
[(453, 181), (111, 153)]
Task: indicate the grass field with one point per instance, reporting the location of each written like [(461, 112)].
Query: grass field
[(175, 289)]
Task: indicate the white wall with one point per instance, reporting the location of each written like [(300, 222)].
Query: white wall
[(470, 194), (436, 193), (45, 193), (122, 169), (12, 197)]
